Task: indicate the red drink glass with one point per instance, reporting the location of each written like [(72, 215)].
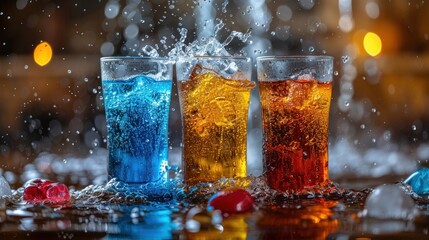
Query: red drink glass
[(295, 98)]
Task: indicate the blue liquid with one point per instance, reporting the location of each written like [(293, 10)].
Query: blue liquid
[(137, 113)]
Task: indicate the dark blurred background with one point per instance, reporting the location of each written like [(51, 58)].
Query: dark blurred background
[(379, 113)]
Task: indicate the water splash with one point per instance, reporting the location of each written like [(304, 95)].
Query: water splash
[(174, 191), (206, 46)]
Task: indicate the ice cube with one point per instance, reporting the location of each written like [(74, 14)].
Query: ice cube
[(419, 181), (222, 112), (230, 69), (150, 51), (389, 201), (4, 187), (306, 77)]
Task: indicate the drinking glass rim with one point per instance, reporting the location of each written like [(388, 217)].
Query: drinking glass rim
[(113, 58), (294, 57), (214, 57)]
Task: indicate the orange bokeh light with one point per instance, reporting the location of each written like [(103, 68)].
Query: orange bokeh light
[(372, 44), (42, 53)]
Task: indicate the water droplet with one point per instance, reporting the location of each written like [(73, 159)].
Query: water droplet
[(362, 126), (304, 155), (311, 49), (414, 127), (387, 135), (335, 73), (69, 71)]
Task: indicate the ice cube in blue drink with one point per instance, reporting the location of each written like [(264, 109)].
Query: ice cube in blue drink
[(137, 111)]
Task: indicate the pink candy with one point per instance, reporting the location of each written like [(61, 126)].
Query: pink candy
[(232, 201), (44, 191)]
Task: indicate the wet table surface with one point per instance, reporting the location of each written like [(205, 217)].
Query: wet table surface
[(333, 217)]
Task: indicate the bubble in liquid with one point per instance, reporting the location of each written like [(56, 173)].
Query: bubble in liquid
[(345, 58)]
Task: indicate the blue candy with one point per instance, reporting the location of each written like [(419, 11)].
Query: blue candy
[(419, 181)]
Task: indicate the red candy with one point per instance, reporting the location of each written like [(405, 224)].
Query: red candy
[(44, 191), (231, 201)]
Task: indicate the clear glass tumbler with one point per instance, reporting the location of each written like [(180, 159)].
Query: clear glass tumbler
[(214, 94), (295, 95), (137, 93)]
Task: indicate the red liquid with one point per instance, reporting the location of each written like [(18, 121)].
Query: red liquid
[(295, 115)]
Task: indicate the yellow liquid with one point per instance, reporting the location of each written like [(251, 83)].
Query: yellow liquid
[(234, 227), (214, 111)]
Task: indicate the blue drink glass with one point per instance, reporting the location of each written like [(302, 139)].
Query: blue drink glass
[(136, 92)]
